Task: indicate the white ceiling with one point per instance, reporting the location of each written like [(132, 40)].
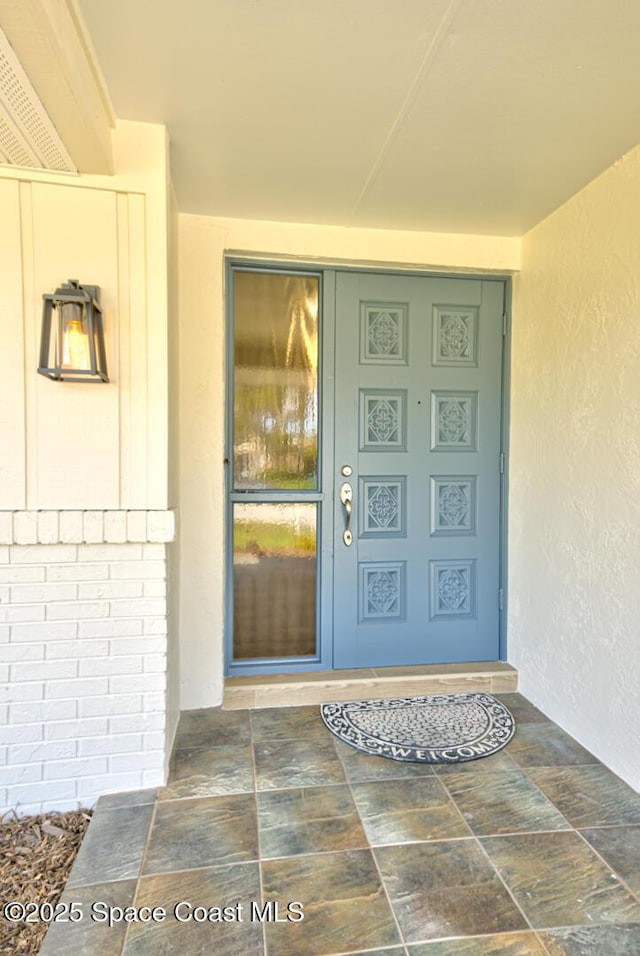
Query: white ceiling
[(477, 116)]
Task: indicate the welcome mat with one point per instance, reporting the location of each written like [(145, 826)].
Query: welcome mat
[(444, 728)]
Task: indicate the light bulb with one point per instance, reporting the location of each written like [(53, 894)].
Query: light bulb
[(75, 339)]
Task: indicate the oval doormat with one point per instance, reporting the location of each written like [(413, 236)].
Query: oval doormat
[(444, 728)]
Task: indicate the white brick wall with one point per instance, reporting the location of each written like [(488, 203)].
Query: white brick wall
[(83, 624), (86, 527)]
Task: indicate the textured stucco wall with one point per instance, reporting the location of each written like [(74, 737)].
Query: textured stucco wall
[(574, 583)]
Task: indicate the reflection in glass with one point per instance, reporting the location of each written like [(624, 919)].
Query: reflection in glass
[(274, 580), (275, 381)]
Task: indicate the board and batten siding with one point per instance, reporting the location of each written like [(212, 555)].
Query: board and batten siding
[(70, 445)]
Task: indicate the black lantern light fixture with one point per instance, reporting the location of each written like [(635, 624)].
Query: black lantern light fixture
[(72, 338)]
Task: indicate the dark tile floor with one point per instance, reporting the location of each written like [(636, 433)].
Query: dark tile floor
[(533, 851)]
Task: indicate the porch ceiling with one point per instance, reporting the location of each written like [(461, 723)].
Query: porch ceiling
[(476, 116)]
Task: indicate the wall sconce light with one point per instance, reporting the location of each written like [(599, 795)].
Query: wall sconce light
[(72, 338)]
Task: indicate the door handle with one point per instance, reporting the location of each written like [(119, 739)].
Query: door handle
[(346, 497)]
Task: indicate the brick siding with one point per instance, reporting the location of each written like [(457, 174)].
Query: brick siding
[(83, 655)]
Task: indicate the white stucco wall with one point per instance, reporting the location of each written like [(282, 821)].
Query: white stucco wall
[(203, 244), (574, 544)]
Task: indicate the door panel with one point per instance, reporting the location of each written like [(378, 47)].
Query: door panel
[(418, 405)]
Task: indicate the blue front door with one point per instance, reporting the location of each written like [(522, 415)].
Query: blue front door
[(417, 465), (364, 487)]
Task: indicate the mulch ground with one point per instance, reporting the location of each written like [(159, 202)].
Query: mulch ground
[(36, 855)]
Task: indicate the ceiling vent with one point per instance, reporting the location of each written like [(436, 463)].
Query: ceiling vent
[(27, 135)]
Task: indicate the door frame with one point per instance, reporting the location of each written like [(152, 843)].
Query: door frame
[(327, 270)]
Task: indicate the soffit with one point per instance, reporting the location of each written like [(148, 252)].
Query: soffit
[(452, 115)]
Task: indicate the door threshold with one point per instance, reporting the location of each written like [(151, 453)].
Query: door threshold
[(319, 687)]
